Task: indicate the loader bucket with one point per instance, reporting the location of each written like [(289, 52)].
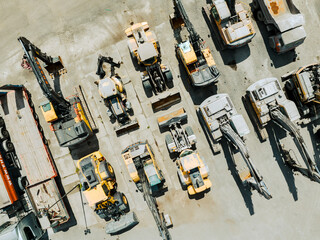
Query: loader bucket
[(126, 222), (130, 126), (177, 116), (165, 101)]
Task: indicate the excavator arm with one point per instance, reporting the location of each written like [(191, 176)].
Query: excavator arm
[(256, 181), (53, 65), (284, 122)]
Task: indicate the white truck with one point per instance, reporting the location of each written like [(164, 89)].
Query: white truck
[(26, 166), (284, 21)]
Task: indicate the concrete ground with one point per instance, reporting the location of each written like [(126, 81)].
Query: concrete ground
[(79, 31)]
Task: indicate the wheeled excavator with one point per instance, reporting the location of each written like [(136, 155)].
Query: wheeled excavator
[(269, 103), (192, 52), (231, 23), (99, 186), (220, 119), (70, 119), (192, 171), (156, 77), (112, 90), (147, 176)]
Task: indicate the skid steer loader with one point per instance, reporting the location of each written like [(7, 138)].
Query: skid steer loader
[(112, 90), (98, 184)]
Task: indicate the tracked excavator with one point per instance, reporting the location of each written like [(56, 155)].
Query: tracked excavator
[(231, 22), (269, 103), (192, 52), (303, 87), (220, 119), (192, 171), (149, 179), (70, 119), (98, 184), (112, 90)]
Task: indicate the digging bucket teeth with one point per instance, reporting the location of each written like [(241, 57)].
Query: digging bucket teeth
[(179, 115), (130, 126), (165, 100), (125, 222)]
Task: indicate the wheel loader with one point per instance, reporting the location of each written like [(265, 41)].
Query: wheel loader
[(196, 58), (267, 102), (220, 119), (303, 87), (231, 22), (147, 176), (98, 184), (192, 171), (156, 77), (112, 91)]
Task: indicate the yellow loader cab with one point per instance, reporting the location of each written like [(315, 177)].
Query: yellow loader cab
[(193, 172), (48, 112), (235, 28), (143, 43)]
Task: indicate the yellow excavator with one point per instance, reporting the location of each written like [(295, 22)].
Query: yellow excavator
[(99, 186)]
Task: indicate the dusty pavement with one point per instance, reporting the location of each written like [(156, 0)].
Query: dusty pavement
[(79, 31)]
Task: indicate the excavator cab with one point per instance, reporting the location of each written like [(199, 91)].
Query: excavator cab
[(48, 112)]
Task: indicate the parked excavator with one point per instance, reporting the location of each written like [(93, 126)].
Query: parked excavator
[(268, 103), (112, 90), (220, 119), (156, 77), (70, 119), (192, 171), (144, 171), (303, 87), (192, 52), (231, 23), (98, 184)]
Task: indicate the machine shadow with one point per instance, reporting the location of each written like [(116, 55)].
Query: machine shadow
[(230, 57), (278, 60), (286, 171), (312, 129), (89, 146), (245, 191)]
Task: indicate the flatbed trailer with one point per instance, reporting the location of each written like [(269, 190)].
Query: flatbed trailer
[(32, 154)]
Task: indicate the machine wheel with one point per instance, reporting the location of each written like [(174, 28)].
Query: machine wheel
[(189, 131), (123, 201), (2, 122), (23, 182), (147, 88), (102, 213), (255, 5), (7, 146), (110, 170), (260, 16), (169, 140), (289, 86), (4, 134)]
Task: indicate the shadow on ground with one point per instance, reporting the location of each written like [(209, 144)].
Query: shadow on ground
[(89, 146)]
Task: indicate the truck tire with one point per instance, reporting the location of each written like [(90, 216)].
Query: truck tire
[(189, 131), (289, 86), (168, 76), (23, 182), (4, 134), (147, 88), (169, 140), (110, 171), (260, 16), (2, 122), (7, 146), (123, 201)]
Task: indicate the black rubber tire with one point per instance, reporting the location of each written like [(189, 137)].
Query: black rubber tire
[(168, 76), (125, 203), (189, 131), (110, 170), (23, 182), (4, 134), (260, 16), (7, 146), (147, 88), (2, 123), (289, 86), (255, 5), (169, 139)]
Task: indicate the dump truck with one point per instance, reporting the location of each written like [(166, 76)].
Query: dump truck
[(99, 186), (156, 77), (149, 179), (284, 22), (303, 87), (192, 171), (112, 91), (220, 119), (196, 58), (70, 119), (24, 147), (269, 103), (25, 228), (231, 23)]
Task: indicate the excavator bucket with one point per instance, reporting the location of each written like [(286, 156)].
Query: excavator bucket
[(177, 116), (165, 100), (130, 126), (126, 222)]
